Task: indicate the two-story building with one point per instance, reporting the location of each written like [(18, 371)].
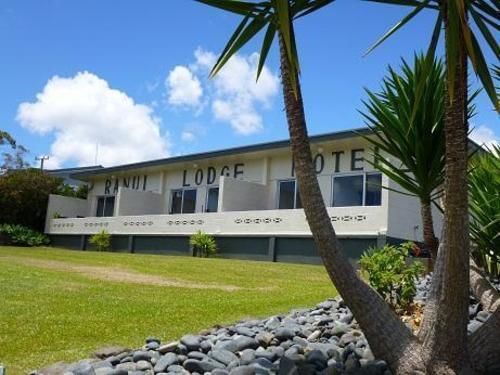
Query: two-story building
[(247, 197)]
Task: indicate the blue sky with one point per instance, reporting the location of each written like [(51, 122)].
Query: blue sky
[(133, 77)]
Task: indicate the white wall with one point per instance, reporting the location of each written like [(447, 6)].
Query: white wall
[(239, 195), (137, 202), (65, 207)]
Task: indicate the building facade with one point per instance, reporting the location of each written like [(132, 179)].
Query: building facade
[(247, 197)]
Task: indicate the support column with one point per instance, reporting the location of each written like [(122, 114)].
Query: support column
[(83, 242), (131, 244), (381, 240), (272, 249)]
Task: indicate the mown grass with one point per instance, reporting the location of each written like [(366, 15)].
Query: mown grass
[(49, 315)]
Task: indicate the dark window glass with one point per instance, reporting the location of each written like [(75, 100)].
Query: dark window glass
[(176, 205), (212, 199), (109, 206), (189, 201), (105, 206), (100, 207), (286, 195), (348, 191), (373, 189)]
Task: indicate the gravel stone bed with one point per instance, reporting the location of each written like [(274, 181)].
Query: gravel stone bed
[(325, 339)]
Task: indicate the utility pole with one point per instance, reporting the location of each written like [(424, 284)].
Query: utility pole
[(42, 160)]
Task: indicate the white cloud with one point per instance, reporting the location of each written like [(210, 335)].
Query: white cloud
[(484, 136), (184, 88), (82, 112), (188, 136), (235, 96)]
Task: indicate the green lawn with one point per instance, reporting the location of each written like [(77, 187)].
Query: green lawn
[(61, 305)]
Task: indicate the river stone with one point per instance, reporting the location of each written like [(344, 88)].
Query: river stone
[(114, 360), (272, 323), (170, 347), (176, 368), (143, 365), (128, 366), (247, 356), (206, 346), (284, 334), (83, 368), (191, 342), (264, 338), (165, 361), (313, 336), (239, 344), (107, 371), (152, 345), (245, 331), (340, 329), (141, 355), (110, 351), (223, 356), (118, 371), (243, 370), (263, 353), (317, 358), (483, 316), (207, 365), (219, 371)]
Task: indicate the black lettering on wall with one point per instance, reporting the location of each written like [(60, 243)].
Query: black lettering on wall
[(337, 160), (211, 172), (355, 158), (134, 182), (184, 183), (238, 169), (126, 182), (198, 177), (225, 171), (115, 189), (107, 186), (319, 158), (144, 182)]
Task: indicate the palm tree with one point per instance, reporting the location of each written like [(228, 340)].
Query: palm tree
[(451, 279), (389, 338), (389, 114)]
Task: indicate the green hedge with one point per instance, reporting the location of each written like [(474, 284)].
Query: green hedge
[(19, 235)]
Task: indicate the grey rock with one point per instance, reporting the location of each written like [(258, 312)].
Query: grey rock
[(141, 355), (114, 360), (143, 365), (272, 323), (300, 341), (191, 342), (245, 331), (206, 346), (287, 367), (473, 326), (197, 355), (152, 345), (223, 356), (247, 356), (243, 370), (176, 368), (101, 364), (206, 365), (263, 353), (284, 334), (263, 362), (483, 316), (219, 371), (110, 351), (83, 368), (264, 338), (340, 329), (164, 362), (170, 347), (317, 358), (239, 344), (106, 371), (314, 336), (153, 339), (128, 366), (307, 369), (118, 371)]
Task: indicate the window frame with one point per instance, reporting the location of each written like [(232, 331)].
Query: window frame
[(105, 198), (172, 191), (295, 195), (352, 174)]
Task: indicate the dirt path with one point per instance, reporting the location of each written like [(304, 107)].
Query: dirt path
[(118, 274)]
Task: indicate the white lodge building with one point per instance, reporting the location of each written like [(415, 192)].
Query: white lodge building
[(246, 197)]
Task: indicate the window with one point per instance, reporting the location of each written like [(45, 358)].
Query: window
[(183, 201), (357, 190), (212, 199), (105, 206), (288, 195), (373, 195)]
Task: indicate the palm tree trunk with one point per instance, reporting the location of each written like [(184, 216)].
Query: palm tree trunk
[(388, 337), (445, 341), (430, 240)]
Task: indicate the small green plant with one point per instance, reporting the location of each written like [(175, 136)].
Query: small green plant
[(19, 235), (203, 244), (101, 241), (390, 275)]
